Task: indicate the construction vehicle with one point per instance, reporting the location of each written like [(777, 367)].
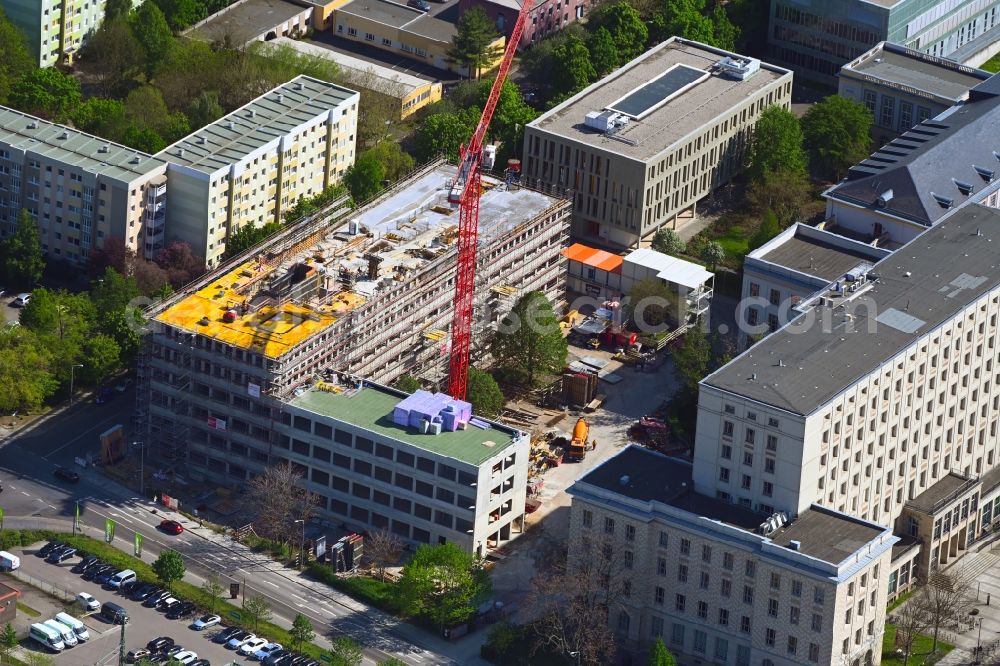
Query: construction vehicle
[(577, 450)]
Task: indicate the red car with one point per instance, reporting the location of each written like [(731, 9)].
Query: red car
[(171, 527)]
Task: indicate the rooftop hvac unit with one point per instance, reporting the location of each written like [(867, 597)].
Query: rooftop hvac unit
[(740, 69), (605, 121)]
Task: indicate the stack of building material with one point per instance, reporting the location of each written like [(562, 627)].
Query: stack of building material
[(579, 388)]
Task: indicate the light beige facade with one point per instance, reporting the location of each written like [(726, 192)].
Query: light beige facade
[(80, 188), (250, 166), (700, 574), (657, 154)]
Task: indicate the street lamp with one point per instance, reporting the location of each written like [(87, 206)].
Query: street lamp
[(71, 378), (979, 638), (302, 543)]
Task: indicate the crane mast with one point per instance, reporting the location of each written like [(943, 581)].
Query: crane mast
[(465, 191)]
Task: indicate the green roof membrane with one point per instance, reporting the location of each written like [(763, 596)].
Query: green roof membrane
[(371, 408)]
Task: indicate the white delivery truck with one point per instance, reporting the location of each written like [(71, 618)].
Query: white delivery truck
[(9, 561), (47, 636), (79, 628), (68, 637)]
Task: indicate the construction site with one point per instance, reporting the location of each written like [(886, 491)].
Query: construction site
[(366, 292)]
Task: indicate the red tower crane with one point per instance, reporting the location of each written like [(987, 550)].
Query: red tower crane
[(465, 191)]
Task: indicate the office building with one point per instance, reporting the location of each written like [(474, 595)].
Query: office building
[(643, 145), (902, 87), (789, 269), (247, 21), (922, 176), (817, 37), (367, 291), (80, 188), (879, 400), (250, 166), (723, 584), (419, 466), (545, 17)]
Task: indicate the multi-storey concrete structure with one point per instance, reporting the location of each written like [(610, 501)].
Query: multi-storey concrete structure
[(875, 399), (816, 37), (55, 29), (790, 268), (651, 139), (903, 87), (367, 292), (374, 468), (722, 584), (921, 176), (250, 166), (546, 17), (80, 188)]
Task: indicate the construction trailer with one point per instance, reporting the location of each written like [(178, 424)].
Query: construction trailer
[(365, 292)]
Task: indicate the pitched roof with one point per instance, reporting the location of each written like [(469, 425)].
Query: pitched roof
[(934, 167)]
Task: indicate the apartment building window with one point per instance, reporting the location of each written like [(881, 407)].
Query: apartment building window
[(772, 607), (682, 573), (609, 525), (870, 100), (659, 595), (727, 452), (796, 588), (905, 116), (814, 653), (724, 617), (677, 634), (702, 610), (749, 436), (685, 547), (793, 614), (769, 465), (745, 624), (656, 628), (727, 429), (754, 289), (745, 482), (793, 644), (706, 553), (588, 518), (772, 322), (369, 37), (775, 297), (742, 655), (726, 588), (353, 32), (386, 41), (747, 594), (772, 443), (750, 569), (704, 580), (768, 489), (724, 474), (769, 636), (630, 532), (629, 559), (661, 566), (679, 603), (727, 561)]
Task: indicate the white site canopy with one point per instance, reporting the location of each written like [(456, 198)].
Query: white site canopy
[(670, 269)]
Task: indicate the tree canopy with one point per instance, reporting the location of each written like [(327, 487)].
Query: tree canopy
[(768, 229), (248, 236), (836, 134), (484, 393), (627, 29), (691, 359), (713, 254), (47, 93), (15, 56), (668, 242), (604, 54), (443, 583), (443, 133), (529, 341), (659, 655), (407, 383), (152, 31), (21, 259), (573, 69), (471, 43), (776, 144), (364, 178), (169, 566)]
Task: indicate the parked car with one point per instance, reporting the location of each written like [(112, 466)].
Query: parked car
[(422, 5), (21, 300), (123, 385), (160, 644), (201, 662), (105, 576), (60, 555), (186, 657), (173, 649), (167, 604), (84, 564), (225, 634), (104, 394), (66, 474), (205, 621), (171, 527), (88, 602), (49, 547), (239, 639), (277, 657), (252, 645), (183, 610), (154, 599), (135, 655), (266, 651), (97, 570), (141, 591)]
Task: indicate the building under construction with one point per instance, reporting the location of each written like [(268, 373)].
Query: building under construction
[(358, 293)]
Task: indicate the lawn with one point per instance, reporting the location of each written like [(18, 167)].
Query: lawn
[(920, 653), (992, 65)]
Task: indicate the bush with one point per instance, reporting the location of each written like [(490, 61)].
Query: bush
[(21, 538), (370, 590)]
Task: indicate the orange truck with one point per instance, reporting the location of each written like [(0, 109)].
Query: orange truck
[(577, 450)]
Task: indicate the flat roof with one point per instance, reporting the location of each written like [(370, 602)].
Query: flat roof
[(85, 151), (942, 490), (352, 67), (593, 257), (801, 367), (382, 11), (432, 27), (252, 126), (408, 228), (671, 269), (815, 257), (371, 408), (648, 96), (667, 124), (900, 66), (245, 21), (641, 474)]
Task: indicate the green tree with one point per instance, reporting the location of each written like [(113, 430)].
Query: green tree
[(301, 631), (407, 383), (443, 133), (124, 327), (145, 108), (146, 139), (725, 33), (15, 56), (112, 292), (114, 55), (181, 13), (713, 254), (659, 655), (249, 235), (257, 610), (668, 242), (344, 651), (26, 377), (530, 341), (8, 641), (392, 661), (47, 93), (784, 192), (684, 18), (768, 229), (751, 17), (836, 134), (509, 118), (776, 144), (169, 566), (444, 584), (471, 43), (573, 69), (103, 117), (117, 9), (205, 108), (652, 305), (484, 393), (21, 260), (396, 161), (364, 177), (627, 29), (603, 53), (152, 31), (213, 589), (102, 357), (691, 359)]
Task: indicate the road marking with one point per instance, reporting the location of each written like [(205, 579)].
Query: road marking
[(99, 425), (50, 506), (272, 584), (295, 596), (25, 494)]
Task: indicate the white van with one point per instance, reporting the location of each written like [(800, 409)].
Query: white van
[(8, 561), (47, 636), (79, 628), (68, 637), (120, 578)]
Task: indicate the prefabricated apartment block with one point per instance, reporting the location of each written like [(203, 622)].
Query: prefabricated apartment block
[(651, 139), (366, 292)]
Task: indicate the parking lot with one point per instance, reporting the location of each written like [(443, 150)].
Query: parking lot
[(144, 625)]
